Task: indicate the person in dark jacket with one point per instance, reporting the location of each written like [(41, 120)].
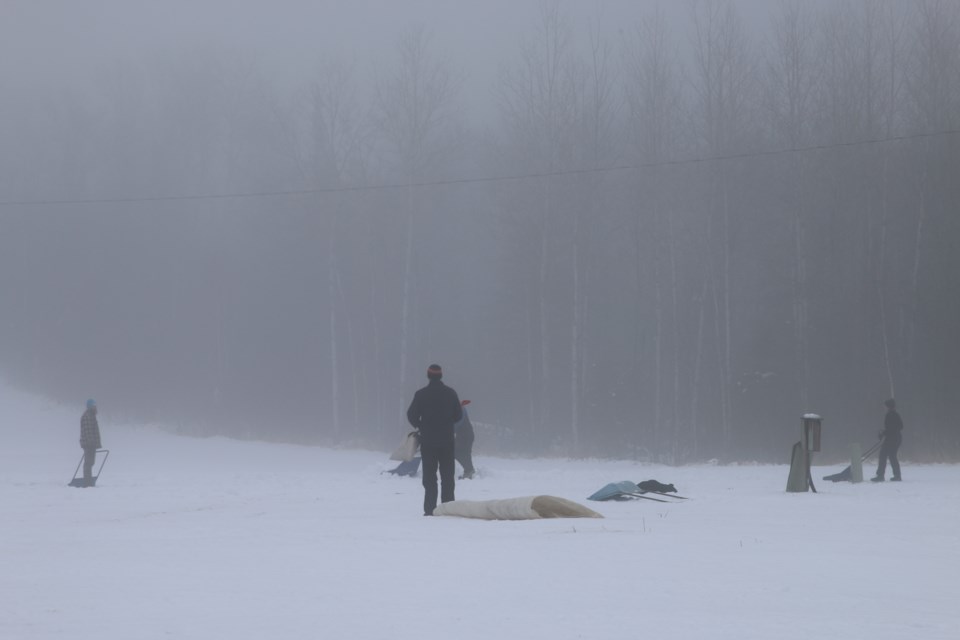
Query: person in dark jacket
[(433, 412), (892, 426), (463, 451), (89, 440)]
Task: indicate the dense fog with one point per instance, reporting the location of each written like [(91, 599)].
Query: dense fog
[(652, 230)]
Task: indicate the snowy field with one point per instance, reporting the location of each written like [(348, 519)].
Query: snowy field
[(219, 539)]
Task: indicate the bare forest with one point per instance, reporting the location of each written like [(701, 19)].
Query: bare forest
[(665, 241)]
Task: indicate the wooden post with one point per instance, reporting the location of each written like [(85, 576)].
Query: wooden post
[(797, 479)]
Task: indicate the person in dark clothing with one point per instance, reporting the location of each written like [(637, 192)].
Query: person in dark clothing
[(463, 451), (89, 440), (433, 412), (892, 426)]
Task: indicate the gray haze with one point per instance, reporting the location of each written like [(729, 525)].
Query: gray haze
[(661, 230)]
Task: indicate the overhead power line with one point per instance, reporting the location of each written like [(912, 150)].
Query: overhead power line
[(474, 180)]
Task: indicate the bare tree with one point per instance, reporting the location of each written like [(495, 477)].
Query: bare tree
[(723, 82), (600, 106), (654, 107), (933, 106), (327, 138), (539, 99), (414, 114), (792, 79)]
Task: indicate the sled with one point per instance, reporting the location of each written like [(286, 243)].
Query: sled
[(79, 481), (408, 448), (847, 474), (409, 468), (623, 490)]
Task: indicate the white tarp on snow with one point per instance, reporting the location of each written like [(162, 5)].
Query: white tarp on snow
[(525, 508)]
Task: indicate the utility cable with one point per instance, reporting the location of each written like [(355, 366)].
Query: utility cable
[(475, 180)]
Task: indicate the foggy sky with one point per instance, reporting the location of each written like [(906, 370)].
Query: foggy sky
[(59, 41)]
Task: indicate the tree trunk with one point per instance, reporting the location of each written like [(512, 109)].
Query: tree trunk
[(575, 346), (407, 292), (334, 353), (542, 298)]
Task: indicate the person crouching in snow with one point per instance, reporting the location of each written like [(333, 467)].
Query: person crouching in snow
[(464, 442)]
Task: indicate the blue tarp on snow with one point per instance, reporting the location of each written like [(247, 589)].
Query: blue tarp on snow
[(623, 490)]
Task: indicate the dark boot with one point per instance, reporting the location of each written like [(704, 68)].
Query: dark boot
[(877, 479), (895, 479)]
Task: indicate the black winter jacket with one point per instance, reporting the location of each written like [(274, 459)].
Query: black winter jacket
[(892, 425), (434, 411)]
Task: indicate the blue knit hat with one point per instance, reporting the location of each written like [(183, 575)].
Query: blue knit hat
[(91, 403)]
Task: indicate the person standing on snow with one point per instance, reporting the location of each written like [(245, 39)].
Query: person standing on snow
[(892, 426), (89, 441), (463, 450), (433, 412)]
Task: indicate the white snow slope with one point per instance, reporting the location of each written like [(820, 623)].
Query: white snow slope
[(213, 538)]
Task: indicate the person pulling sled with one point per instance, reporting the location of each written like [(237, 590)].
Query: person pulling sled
[(892, 438), (89, 442)]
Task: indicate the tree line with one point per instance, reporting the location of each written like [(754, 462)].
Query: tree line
[(668, 245)]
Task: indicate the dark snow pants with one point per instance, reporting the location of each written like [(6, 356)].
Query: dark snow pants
[(89, 456), (437, 455), (888, 451)]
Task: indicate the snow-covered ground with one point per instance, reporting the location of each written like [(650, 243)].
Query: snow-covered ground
[(220, 539)]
